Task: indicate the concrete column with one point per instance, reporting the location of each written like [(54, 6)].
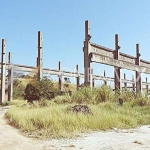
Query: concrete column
[(138, 74), (37, 62), (147, 90), (10, 78), (125, 83), (93, 82), (86, 50), (105, 81), (91, 78), (116, 69), (3, 71), (77, 78), (40, 55), (133, 84), (59, 77)]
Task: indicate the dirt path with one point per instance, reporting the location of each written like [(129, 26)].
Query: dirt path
[(11, 138), (135, 139)]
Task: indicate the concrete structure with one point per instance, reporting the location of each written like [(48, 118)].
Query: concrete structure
[(40, 55), (100, 54), (92, 53), (3, 71), (10, 78)]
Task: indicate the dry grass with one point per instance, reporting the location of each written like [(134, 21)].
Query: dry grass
[(54, 121), (51, 118)]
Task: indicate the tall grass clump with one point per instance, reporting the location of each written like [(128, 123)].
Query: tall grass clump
[(62, 99), (104, 93), (93, 96), (134, 99), (84, 95)]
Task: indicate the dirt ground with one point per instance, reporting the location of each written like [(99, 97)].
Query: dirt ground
[(115, 139)]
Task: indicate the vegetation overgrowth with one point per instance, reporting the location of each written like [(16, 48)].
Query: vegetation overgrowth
[(34, 88), (51, 118)]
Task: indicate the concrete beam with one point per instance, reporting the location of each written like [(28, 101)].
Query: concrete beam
[(118, 63), (101, 50)]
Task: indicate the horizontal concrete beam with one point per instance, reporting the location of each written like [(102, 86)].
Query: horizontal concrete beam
[(104, 51), (145, 63), (97, 49), (24, 68), (118, 63), (96, 77), (127, 58)]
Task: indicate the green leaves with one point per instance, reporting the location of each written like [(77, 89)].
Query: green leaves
[(37, 89)]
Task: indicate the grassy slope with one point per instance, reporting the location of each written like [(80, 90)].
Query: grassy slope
[(54, 120)]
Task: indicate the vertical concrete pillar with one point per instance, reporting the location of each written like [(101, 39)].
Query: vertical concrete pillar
[(86, 50), (37, 62), (133, 84), (10, 78), (59, 77), (40, 55), (138, 74), (117, 69), (125, 83), (93, 82), (3, 71), (147, 90), (105, 81), (77, 78), (91, 77)]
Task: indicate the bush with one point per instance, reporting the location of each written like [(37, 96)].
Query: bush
[(84, 95), (38, 89), (95, 96), (18, 89), (127, 95), (104, 94)]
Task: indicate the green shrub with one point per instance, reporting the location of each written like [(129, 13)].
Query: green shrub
[(93, 96), (104, 93), (18, 89), (84, 95), (38, 89), (127, 95), (31, 93)]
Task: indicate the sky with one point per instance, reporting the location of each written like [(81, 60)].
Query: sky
[(62, 23)]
